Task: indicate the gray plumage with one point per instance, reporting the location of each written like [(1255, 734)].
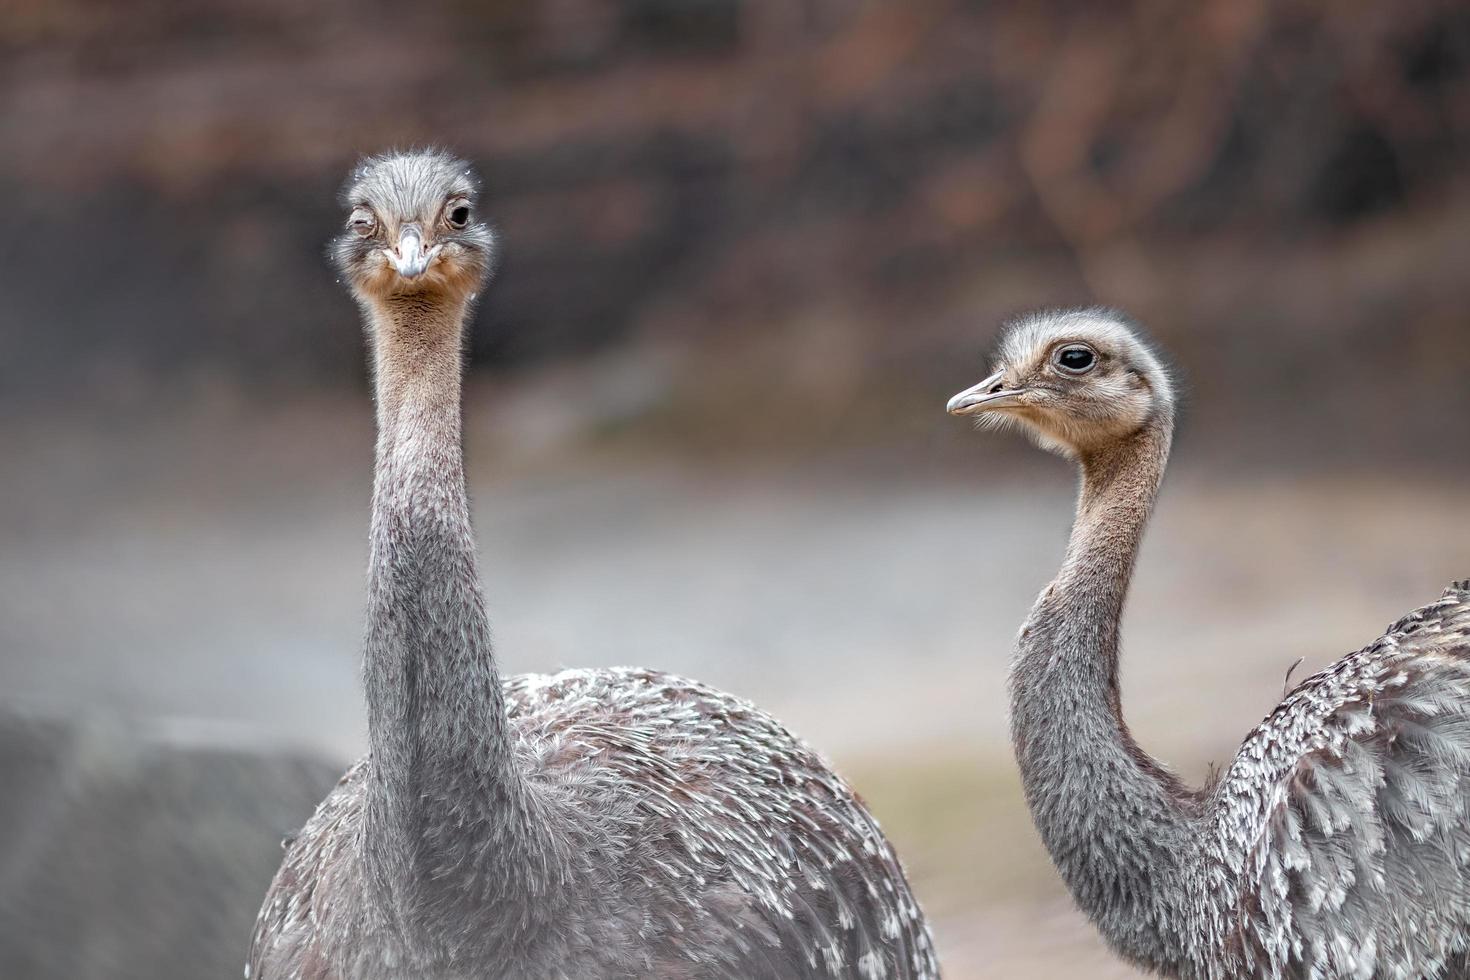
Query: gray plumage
[(1337, 844), (592, 823)]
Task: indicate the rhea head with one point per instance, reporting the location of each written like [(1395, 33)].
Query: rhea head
[(1076, 381), (413, 231)]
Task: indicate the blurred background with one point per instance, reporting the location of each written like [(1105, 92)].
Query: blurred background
[(749, 249)]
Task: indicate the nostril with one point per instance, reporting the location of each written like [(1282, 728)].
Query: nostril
[(998, 386)]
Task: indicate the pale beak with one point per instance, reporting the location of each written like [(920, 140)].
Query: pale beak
[(410, 258), (984, 396)]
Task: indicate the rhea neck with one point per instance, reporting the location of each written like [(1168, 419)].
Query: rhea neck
[(1118, 825), (446, 808)]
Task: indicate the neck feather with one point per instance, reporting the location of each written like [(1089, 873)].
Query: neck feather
[(1117, 824), (446, 805)]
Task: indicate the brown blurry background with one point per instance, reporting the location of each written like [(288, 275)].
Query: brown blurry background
[(749, 249)]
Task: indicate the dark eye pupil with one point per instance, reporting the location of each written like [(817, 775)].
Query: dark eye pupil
[(1076, 359), (459, 215)]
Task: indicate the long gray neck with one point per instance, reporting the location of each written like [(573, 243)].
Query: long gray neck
[(447, 809), (1118, 826)]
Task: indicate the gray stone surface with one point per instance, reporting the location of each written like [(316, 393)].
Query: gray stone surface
[(133, 855)]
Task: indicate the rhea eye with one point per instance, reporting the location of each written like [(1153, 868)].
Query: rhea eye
[(459, 215), (1076, 359), (362, 222)]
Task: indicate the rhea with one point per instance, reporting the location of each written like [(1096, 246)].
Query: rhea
[(592, 823), (1337, 843)]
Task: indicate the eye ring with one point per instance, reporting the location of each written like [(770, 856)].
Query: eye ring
[(362, 222), (457, 215), (1074, 359)]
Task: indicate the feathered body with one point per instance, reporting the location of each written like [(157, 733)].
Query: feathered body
[(1344, 820), (687, 834), (1337, 844), (598, 823)]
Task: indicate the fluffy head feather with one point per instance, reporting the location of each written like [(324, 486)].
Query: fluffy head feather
[(1074, 380), (412, 203)]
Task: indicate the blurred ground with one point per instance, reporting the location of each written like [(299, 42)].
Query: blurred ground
[(136, 850), (212, 568)]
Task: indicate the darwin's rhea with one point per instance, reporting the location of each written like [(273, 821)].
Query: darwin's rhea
[(1337, 844), (592, 823)]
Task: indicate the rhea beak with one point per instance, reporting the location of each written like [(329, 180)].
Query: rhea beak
[(410, 257), (984, 396)]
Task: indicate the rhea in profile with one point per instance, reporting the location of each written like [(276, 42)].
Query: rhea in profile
[(592, 823), (1337, 844)]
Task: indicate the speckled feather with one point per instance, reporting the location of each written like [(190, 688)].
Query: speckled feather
[(1342, 829), (700, 839)]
